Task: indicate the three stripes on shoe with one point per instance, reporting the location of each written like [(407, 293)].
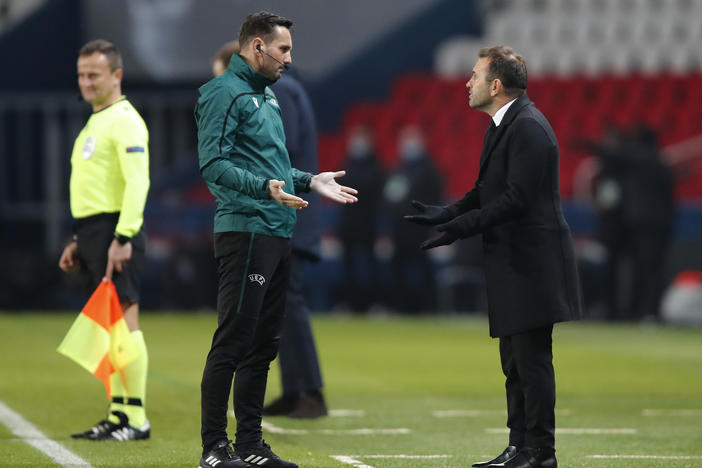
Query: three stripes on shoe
[(122, 434), (255, 459)]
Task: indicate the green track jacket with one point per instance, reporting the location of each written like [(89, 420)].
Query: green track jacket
[(241, 145)]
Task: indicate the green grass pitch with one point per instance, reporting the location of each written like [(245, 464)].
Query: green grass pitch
[(643, 383)]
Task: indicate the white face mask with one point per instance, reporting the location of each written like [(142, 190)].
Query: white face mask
[(411, 149), (359, 147)]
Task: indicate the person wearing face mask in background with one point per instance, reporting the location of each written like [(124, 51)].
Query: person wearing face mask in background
[(415, 178), (358, 224)]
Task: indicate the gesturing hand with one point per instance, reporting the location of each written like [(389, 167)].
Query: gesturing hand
[(462, 226), (275, 190), (428, 215), (326, 186)]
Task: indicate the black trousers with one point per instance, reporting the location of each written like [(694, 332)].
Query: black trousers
[(299, 364), (527, 362), (634, 280), (254, 272)]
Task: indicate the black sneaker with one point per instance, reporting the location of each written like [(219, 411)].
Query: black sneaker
[(123, 432), (222, 456), (262, 455), (98, 430)]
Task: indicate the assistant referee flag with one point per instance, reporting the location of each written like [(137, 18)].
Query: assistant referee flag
[(99, 339)]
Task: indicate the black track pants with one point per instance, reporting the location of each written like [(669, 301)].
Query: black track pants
[(254, 272)]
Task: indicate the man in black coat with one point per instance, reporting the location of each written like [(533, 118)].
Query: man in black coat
[(529, 261), (300, 371)]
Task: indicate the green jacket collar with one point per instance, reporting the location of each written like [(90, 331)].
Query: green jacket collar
[(243, 70)]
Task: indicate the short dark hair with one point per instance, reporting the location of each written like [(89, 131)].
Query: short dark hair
[(507, 66), (108, 49), (224, 54), (261, 24)]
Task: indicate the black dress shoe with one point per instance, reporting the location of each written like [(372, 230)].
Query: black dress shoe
[(531, 458), (282, 406), (508, 454), (310, 405)]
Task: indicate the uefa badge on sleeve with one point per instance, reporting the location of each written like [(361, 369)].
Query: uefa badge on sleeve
[(89, 147)]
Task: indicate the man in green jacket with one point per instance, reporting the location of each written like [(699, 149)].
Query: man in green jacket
[(242, 154)]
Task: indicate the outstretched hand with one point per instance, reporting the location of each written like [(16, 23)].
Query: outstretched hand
[(275, 190), (429, 215), (463, 226), (326, 186)]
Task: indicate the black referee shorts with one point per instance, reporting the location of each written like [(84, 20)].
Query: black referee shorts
[(95, 234)]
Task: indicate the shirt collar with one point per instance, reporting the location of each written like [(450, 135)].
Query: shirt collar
[(500, 114), (246, 72)]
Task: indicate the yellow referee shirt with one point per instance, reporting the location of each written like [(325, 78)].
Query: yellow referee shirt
[(110, 167)]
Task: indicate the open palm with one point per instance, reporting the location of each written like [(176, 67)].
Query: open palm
[(326, 186)]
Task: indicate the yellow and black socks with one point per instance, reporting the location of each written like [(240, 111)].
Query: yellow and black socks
[(129, 387)]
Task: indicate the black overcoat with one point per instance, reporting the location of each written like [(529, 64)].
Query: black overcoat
[(529, 261), (301, 142)]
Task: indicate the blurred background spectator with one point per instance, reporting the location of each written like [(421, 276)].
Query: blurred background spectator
[(413, 287), (358, 226), (633, 197), (590, 63)]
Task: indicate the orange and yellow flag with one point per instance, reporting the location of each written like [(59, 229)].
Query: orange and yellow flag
[(99, 339)]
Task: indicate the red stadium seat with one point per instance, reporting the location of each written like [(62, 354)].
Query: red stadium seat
[(578, 108)]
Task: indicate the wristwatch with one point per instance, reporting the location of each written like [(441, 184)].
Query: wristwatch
[(122, 239)]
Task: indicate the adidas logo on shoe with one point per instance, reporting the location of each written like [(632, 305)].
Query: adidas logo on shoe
[(214, 461), (222, 456), (98, 430), (123, 432), (256, 460), (127, 432), (261, 455)]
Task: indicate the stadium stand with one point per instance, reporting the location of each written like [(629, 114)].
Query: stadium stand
[(591, 64), (578, 107)]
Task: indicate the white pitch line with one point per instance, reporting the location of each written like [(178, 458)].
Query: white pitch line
[(575, 430), (273, 429), (34, 437), (409, 457), (345, 413), (671, 412), (649, 457), (353, 459), (365, 431), (350, 461), (472, 413)]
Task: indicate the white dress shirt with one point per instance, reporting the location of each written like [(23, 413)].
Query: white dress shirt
[(499, 115)]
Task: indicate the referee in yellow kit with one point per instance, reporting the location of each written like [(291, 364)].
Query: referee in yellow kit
[(109, 184)]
